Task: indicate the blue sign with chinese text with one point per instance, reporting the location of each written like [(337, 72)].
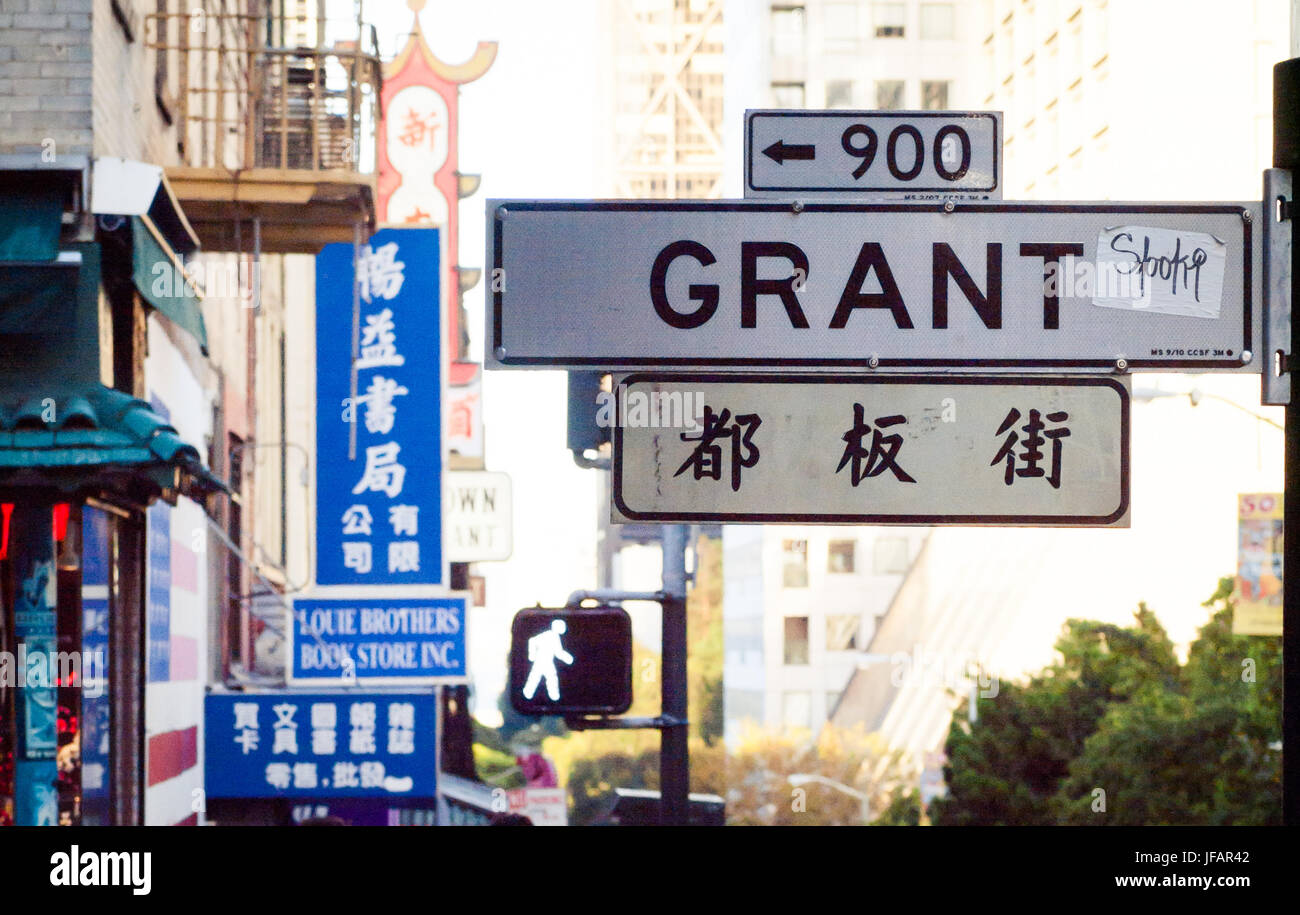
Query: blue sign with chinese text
[(376, 641), (300, 745), (158, 593), (379, 512), (96, 557)]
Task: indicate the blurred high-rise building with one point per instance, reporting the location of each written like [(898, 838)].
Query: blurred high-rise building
[(666, 81), (1089, 97), (845, 54)]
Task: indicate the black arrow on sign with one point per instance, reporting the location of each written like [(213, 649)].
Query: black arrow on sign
[(779, 151)]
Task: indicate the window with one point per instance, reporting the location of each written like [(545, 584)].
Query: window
[(840, 555), (890, 556), (787, 95), (934, 95), (839, 93), (842, 632), (797, 709), (840, 24), (794, 563), (936, 21), (787, 31), (889, 94), (161, 88), (890, 18), (796, 640)]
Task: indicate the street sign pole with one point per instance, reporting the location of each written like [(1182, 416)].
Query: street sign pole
[(674, 761), (1286, 154)]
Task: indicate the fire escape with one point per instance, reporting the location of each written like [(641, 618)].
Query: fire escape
[(275, 116)]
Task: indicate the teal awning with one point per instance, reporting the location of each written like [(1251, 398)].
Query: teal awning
[(30, 219), (49, 324), (95, 437), (158, 277), (38, 299)]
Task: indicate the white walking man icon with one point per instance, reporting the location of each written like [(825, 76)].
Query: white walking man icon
[(544, 649)]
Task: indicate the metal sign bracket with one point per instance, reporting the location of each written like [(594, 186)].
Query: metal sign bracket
[(1279, 209)]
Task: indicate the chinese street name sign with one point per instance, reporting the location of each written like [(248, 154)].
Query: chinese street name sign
[(379, 512), (397, 642), (907, 154), (576, 660), (876, 449), (298, 745), (996, 285)]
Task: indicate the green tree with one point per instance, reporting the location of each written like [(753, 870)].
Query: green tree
[(904, 809), (1007, 766), (1204, 751)]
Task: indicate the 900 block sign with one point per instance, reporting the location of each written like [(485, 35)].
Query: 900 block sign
[(907, 154), (621, 284)]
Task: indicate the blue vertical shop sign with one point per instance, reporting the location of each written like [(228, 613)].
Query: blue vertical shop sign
[(379, 512), (36, 706), (158, 593), (96, 809)]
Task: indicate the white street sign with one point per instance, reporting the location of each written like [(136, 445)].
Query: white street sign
[(479, 524), (876, 449), (916, 155), (989, 285)]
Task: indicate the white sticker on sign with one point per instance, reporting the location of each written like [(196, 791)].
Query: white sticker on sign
[(1165, 271)]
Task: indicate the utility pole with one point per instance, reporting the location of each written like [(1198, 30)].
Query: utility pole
[(1286, 155)]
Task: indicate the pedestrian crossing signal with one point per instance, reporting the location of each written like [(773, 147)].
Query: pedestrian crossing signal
[(572, 661)]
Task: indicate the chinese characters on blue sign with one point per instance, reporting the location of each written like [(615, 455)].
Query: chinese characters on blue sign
[(96, 801), (379, 514), (343, 641), (321, 745), (159, 592)]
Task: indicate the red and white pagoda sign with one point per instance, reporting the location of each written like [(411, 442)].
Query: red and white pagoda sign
[(420, 183)]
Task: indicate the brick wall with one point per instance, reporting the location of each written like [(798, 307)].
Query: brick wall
[(45, 76), (72, 81)]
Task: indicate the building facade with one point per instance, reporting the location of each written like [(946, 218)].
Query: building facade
[(165, 174), (801, 605)]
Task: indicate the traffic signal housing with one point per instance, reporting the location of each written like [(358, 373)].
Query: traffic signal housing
[(571, 661)]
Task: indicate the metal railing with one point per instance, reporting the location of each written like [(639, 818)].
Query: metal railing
[(237, 102)]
